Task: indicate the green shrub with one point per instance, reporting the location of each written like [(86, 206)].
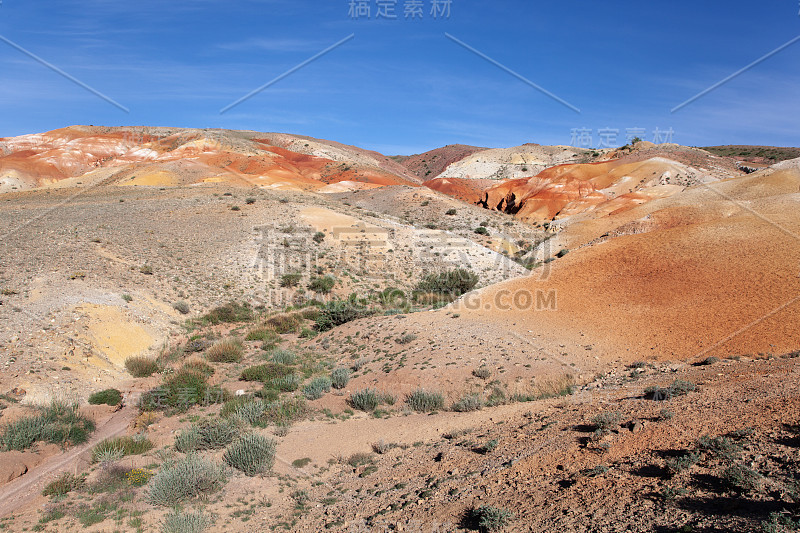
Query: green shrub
[(181, 390), (252, 454), (317, 388), (676, 465), (63, 484), (283, 356), (470, 402), (285, 323), (338, 312), (481, 230), (226, 351), (228, 313), (607, 420), (780, 523), (340, 377), (188, 440), (198, 366), (288, 383), (482, 372), (141, 367), (741, 479), (450, 212), (322, 285), (453, 282), (208, 435), (291, 280), (318, 237), (369, 399), (178, 481), (181, 307), (249, 410), (722, 447), (424, 401), (489, 518), (406, 338), (58, 423), (263, 333), (360, 459), (265, 372), (106, 397), (178, 521), (127, 445), (284, 412), (678, 387)]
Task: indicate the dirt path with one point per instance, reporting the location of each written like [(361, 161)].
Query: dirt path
[(21, 491), (321, 440)]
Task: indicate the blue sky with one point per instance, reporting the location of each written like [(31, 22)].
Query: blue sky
[(401, 86)]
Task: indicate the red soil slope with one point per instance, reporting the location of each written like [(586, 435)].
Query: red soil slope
[(161, 156), (567, 190), (706, 272), (430, 164), (470, 191)]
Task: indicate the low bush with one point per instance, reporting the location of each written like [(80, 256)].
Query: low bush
[(291, 280), (741, 479), (406, 338), (382, 447), (607, 420), (322, 285), (179, 521), (285, 323), (141, 367), (106, 397), (181, 307), (424, 401), (63, 484), (208, 435), (676, 465), (181, 480), (288, 383), (678, 387), (263, 333), (252, 454), (317, 388), (284, 412), (229, 313), (181, 390), (360, 458), (488, 518), (283, 356), (722, 447), (188, 440), (470, 402), (265, 372), (58, 423), (482, 372), (452, 282), (340, 377), (369, 399), (226, 351), (249, 410), (122, 446), (338, 312), (199, 366)]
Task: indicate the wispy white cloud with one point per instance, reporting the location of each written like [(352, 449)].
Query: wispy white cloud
[(273, 45)]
